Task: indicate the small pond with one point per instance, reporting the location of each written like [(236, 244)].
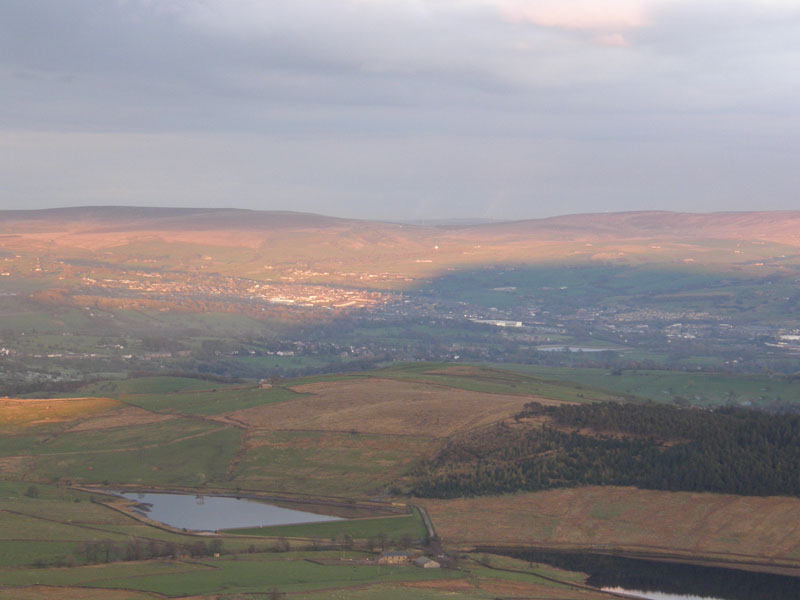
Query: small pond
[(655, 580), (209, 513)]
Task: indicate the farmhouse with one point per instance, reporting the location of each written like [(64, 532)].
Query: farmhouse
[(394, 558), (426, 563)]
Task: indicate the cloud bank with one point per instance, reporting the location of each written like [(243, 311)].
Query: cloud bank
[(401, 108)]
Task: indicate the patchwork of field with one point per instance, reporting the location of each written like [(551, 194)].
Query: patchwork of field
[(383, 406), (350, 436), (729, 528), (48, 527), (52, 528), (353, 436), (45, 533), (257, 574)]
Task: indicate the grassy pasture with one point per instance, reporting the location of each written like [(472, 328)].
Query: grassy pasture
[(501, 380), (125, 416), (149, 385), (23, 553), (210, 402), (177, 578), (96, 575), (328, 463), (122, 438), (20, 526), (347, 436), (516, 564), (383, 407), (702, 389), (191, 461), (14, 445)]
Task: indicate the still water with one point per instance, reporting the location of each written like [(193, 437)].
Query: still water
[(209, 513), (655, 580), (655, 595)]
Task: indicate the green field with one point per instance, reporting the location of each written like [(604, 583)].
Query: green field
[(176, 579), (499, 380), (202, 455), (209, 402), (148, 385), (42, 535), (702, 389), (49, 528), (327, 463)]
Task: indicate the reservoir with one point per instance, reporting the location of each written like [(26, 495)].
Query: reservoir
[(209, 513), (656, 580), (655, 595)]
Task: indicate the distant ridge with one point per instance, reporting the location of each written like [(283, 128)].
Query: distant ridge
[(781, 226), (775, 226), (130, 218)]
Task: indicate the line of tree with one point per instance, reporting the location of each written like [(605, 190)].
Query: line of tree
[(106, 551), (729, 450)]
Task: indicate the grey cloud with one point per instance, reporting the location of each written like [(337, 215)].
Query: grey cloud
[(443, 106)]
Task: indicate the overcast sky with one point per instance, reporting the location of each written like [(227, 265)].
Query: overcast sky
[(402, 109)]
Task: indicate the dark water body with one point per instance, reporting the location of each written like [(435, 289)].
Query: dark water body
[(209, 513), (668, 581)]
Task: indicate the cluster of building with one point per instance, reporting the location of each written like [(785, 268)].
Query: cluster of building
[(158, 286), (408, 558)]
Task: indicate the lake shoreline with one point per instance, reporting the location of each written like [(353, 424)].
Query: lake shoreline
[(344, 507), (749, 564)]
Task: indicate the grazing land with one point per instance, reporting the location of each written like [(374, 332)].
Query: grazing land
[(349, 464), (62, 544), (387, 407), (699, 389), (345, 439)]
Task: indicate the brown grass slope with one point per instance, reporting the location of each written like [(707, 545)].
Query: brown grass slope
[(694, 525), (775, 226), (384, 406)]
